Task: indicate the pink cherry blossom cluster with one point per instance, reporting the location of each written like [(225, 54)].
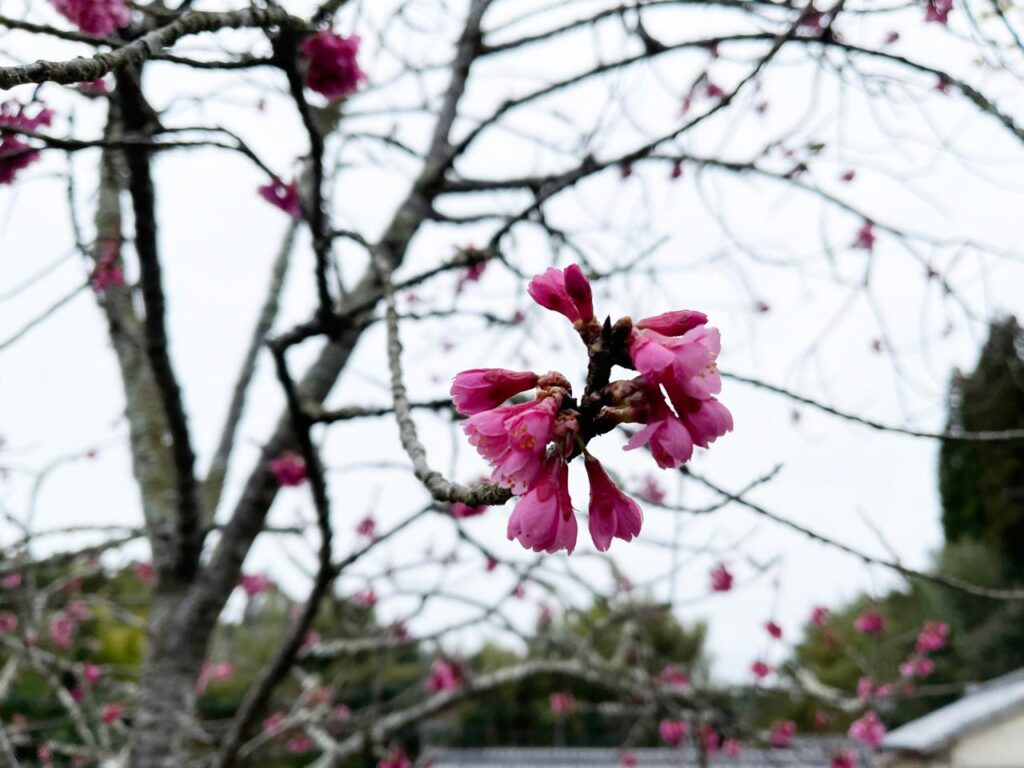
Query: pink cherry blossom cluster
[(95, 17), (530, 443), (331, 66), (15, 154)]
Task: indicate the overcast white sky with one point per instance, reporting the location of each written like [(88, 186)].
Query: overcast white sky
[(926, 164)]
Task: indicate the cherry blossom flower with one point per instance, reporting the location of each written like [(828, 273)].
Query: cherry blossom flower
[(11, 580), (819, 616), (289, 469), (562, 702), (62, 629), (299, 744), (95, 17), (461, 511), (672, 677), (612, 513), (760, 669), (91, 674), (368, 597), (682, 362), (672, 732), (773, 629), (513, 438), (564, 291), (8, 622), (444, 676), (628, 760), (543, 519), (721, 578), (732, 748), (870, 623), (652, 490), (367, 527), (844, 759), (782, 734), (332, 69), (472, 273), (865, 239), (822, 720), (868, 729), (108, 271), (666, 437), (917, 666), (283, 196), (272, 723), (112, 713), (938, 11), (932, 636), (255, 584), (216, 672), (483, 389), (15, 153), (710, 739), (145, 572)]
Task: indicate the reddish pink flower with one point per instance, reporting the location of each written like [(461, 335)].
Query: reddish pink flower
[(62, 629), (822, 720), (672, 677), (289, 469), (612, 513), (91, 674), (782, 734), (866, 689), (95, 17), (15, 153), (444, 676), (273, 722), (932, 636), (848, 175), (283, 196), (669, 441), (732, 748), (870, 623), (332, 69), (672, 732), (773, 629), (109, 270), (868, 729), (710, 739), (483, 389), (705, 420), (216, 672), (543, 519), (760, 669), (564, 291), (395, 759), (865, 239), (8, 621), (652, 490), (892, 37), (145, 572), (562, 702), (819, 616), (513, 438), (721, 578), (917, 666), (255, 584), (461, 511), (299, 744), (112, 713), (11, 580), (845, 759), (367, 527), (684, 364), (938, 11), (368, 597), (471, 274), (628, 760)]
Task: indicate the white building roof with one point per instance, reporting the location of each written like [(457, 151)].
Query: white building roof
[(980, 705), (804, 753)]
